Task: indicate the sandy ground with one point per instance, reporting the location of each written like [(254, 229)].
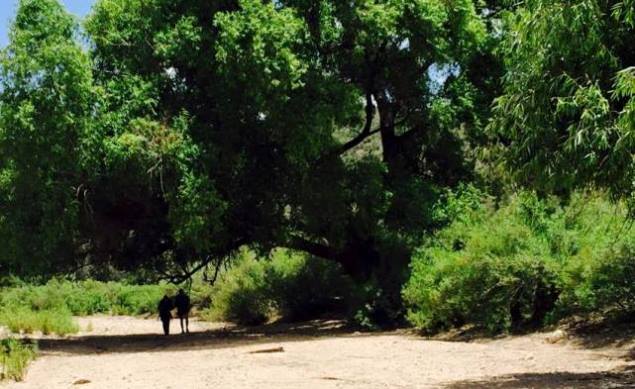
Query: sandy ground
[(123, 352)]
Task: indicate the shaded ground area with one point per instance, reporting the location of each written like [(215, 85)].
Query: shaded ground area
[(621, 378), (122, 352)]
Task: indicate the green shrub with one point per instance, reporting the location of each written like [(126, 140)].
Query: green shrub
[(137, 299), (242, 294), (494, 293), (288, 285), (528, 261), (201, 292), (605, 284), (87, 297), (303, 287), (613, 281)]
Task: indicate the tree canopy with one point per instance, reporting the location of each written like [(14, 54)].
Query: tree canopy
[(46, 103), (191, 128), (166, 134)]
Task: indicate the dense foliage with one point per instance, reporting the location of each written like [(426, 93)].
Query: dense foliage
[(524, 263), (161, 137), (192, 128), (567, 112), (286, 285), (290, 286)]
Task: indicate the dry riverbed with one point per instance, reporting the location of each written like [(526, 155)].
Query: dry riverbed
[(124, 352)]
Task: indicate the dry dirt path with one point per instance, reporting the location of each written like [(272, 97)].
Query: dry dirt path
[(123, 352)]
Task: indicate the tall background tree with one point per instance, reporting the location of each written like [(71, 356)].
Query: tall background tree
[(567, 113), (326, 127), (46, 104)]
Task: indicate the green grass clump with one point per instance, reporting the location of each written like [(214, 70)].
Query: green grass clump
[(24, 320), (136, 299), (15, 356)]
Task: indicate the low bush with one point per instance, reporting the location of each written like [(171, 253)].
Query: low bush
[(15, 356), (522, 264), (137, 299), (613, 281), (603, 285), (288, 285), (303, 287), (242, 294)]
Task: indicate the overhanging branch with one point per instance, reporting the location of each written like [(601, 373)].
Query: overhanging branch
[(216, 259), (317, 249)]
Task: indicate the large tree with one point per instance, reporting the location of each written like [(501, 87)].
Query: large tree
[(324, 126), (46, 103)]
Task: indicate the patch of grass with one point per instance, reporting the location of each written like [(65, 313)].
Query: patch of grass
[(137, 299), (15, 356), (84, 298), (46, 321), (50, 307)]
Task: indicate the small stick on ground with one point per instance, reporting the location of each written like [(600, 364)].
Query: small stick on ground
[(268, 350)]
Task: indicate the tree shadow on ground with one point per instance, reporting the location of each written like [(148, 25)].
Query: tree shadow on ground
[(230, 336), (623, 378), (617, 338), (618, 335), (600, 334)]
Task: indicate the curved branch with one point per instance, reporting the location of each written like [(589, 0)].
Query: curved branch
[(366, 130), (184, 275)]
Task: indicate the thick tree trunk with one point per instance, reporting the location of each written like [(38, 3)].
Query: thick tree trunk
[(359, 258), (394, 154)]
